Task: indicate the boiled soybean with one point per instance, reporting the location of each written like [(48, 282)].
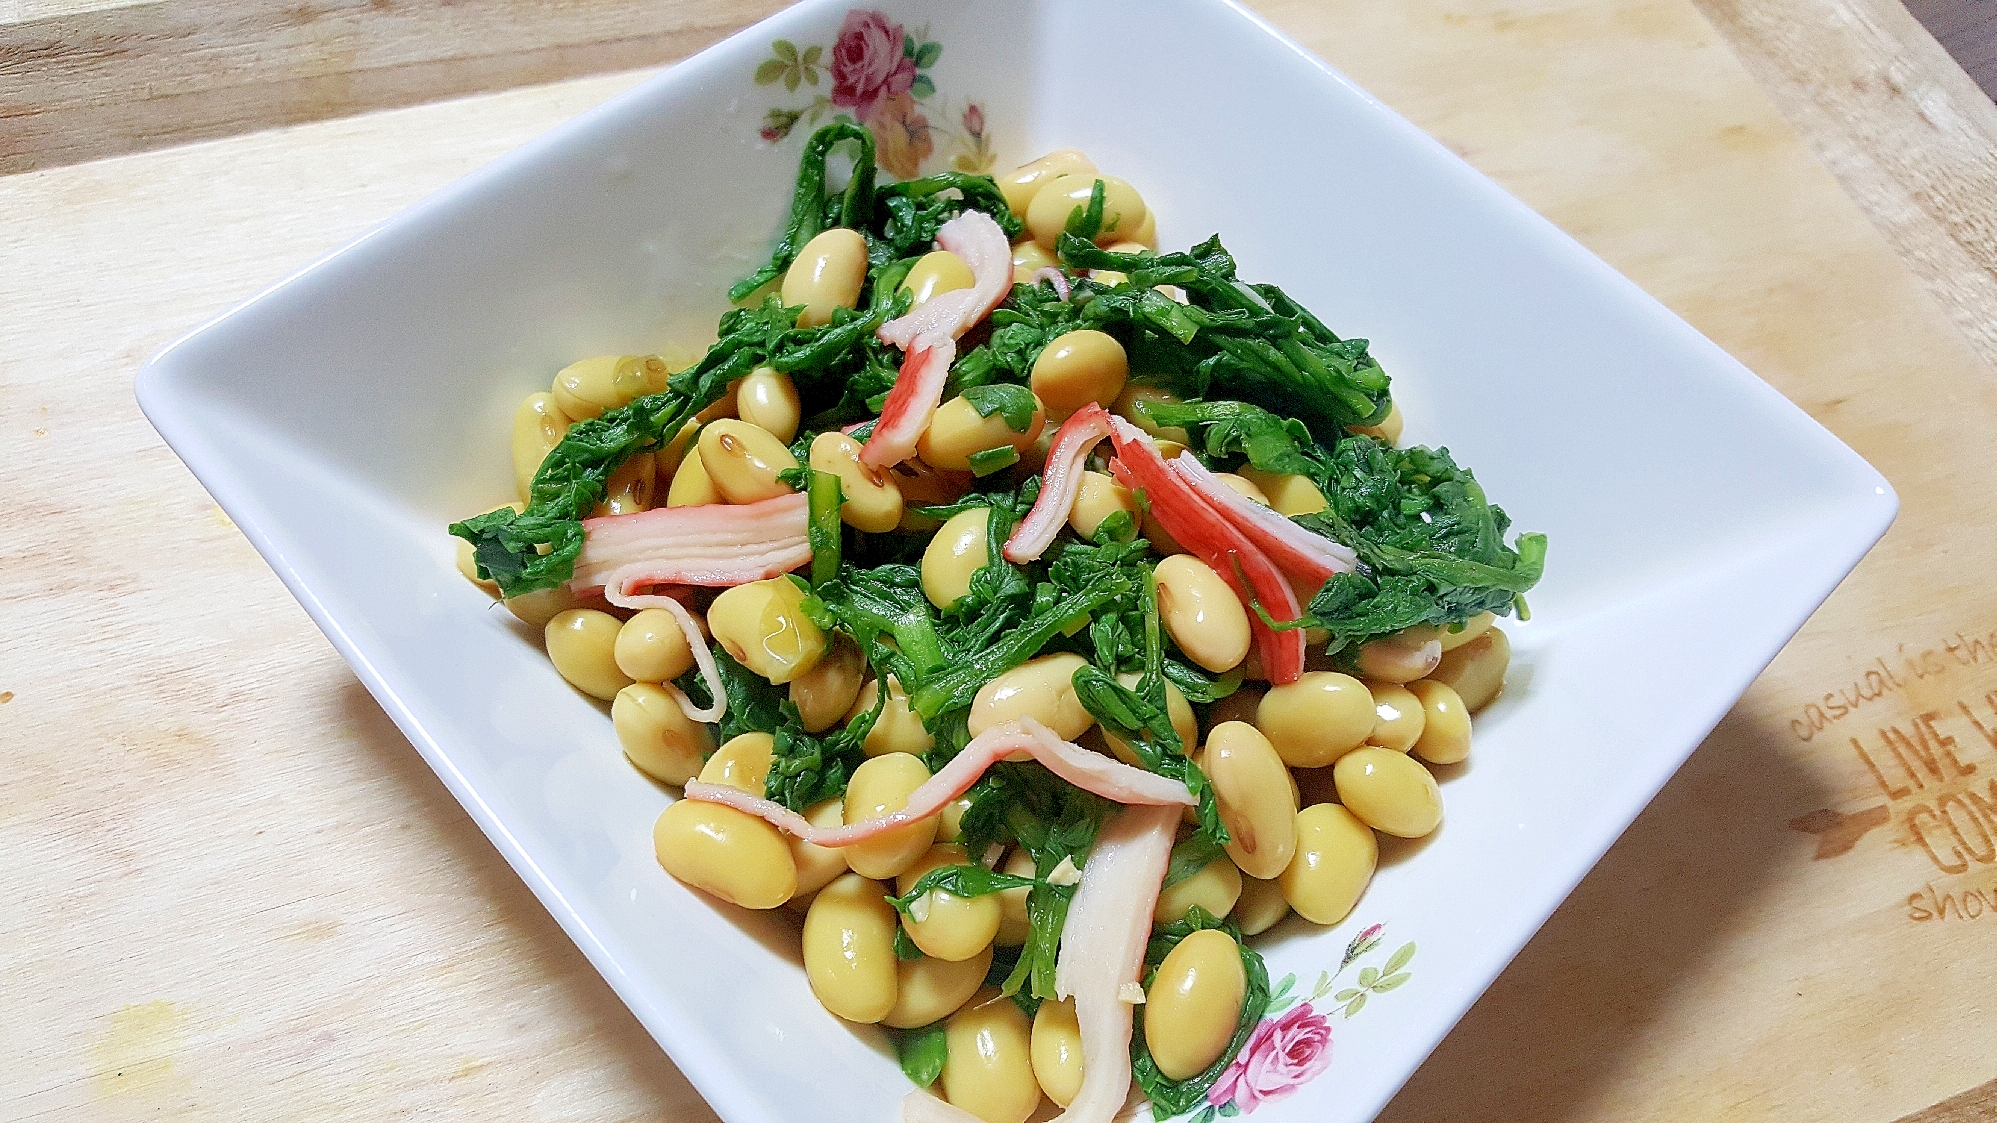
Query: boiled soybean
[(1252, 787), (1316, 719), (849, 949), (1336, 856), (733, 855), (881, 786), (1391, 792), (989, 1070), (657, 735), (1194, 1004), (1042, 688)]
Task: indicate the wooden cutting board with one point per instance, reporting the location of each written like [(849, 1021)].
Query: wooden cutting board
[(234, 891)]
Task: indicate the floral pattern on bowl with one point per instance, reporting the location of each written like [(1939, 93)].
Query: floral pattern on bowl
[(878, 74), (1292, 1045)]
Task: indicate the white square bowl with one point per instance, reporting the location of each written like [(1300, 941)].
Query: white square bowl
[(343, 417)]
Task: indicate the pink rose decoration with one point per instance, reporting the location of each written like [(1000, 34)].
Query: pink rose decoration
[(901, 134), (1281, 1056), (868, 65)]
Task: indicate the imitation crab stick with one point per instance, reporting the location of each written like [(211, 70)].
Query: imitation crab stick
[(1086, 769), (1060, 482), (1194, 523), (1307, 559), (1102, 950), (929, 335), (714, 544)]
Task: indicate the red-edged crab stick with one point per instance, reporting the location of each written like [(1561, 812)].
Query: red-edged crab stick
[(929, 335), (1307, 559), (1060, 482), (1194, 522)]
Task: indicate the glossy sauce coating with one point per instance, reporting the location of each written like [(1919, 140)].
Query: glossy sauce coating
[(764, 627)]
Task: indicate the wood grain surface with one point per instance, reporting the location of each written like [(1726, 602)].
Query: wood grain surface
[(1907, 132), (235, 892), (95, 81)]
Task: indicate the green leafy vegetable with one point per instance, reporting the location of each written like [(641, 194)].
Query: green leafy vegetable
[(915, 208), (823, 526), (809, 206), (1241, 340), (961, 881), (1065, 607), (1021, 328), (993, 460), (1012, 402), (1433, 547), (880, 603), (754, 706), (921, 1053)]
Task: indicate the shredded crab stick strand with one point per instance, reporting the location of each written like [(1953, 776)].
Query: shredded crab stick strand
[(1053, 277), (1060, 482), (916, 391), (1091, 771), (703, 658), (1102, 950), (929, 335), (715, 544), (1307, 558), (975, 238), (1197, 526)]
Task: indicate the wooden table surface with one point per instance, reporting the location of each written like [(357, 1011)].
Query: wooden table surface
[(233, 891)]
